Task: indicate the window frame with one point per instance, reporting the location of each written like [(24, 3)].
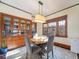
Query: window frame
[(57, 27)]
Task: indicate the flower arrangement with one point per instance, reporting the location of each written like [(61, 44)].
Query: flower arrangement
[(3, 49)]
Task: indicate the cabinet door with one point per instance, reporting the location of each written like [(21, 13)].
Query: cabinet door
[(6, 26), (28, 25), (22, 27), (29, 28), (15, 28), (6, 30)]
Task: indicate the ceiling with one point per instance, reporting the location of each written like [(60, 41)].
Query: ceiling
[(49, 6)]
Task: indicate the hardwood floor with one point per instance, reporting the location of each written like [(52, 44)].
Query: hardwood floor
[(59, 53)]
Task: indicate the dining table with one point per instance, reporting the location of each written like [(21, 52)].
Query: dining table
[(41, 42), (38, 41)]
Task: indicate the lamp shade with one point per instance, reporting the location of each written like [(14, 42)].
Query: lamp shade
[(40, 18)]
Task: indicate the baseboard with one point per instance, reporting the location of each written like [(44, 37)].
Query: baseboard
[(62, 45)]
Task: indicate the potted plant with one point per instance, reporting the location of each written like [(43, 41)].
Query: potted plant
[(3, 49)]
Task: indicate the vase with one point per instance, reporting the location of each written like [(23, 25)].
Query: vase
[(3, 50)]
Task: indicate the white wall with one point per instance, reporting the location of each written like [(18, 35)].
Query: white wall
[(73, 24), (9, 10)]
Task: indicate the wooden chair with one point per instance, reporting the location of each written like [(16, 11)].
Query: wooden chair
[(31, 49), (50, 46)]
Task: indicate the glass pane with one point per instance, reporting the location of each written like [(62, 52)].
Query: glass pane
[(52, 28), (22, 21), (52, 24), (6, 18), (22, 32), (61, 29), (62, 23), (28, 22), (7, 22), (23, 26), (14, 32), (16, 23), (6, 31), (16, 20), (28, 25)]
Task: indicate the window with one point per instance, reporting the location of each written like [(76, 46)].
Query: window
[(52, 28), (59, 26)]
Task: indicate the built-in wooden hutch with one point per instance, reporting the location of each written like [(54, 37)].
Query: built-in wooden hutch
[(14, 29)]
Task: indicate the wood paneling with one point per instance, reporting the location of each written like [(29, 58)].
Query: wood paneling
[(62, 45)]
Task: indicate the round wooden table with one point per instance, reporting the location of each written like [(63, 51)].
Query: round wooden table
[(39, 41)]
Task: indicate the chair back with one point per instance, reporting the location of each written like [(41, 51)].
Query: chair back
[(50, 44), (28, 47)]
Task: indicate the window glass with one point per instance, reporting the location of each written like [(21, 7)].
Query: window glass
[(52, 28), (57, 26), (61, 29)]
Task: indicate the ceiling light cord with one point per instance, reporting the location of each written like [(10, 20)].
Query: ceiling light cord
[(40, 7)]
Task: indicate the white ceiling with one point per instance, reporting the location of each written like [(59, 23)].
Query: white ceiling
[(49, 6)]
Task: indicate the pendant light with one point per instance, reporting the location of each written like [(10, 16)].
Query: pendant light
[(39, 17)]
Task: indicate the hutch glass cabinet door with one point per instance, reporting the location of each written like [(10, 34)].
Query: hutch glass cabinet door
[(15, 28), (22, 27), (28, 25), (29, 28), (6, 26)]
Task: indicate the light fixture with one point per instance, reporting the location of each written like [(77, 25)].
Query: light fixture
[(39, 17)]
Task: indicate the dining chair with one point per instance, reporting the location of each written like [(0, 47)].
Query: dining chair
[(47, 48), (50, 46), (31, 49)]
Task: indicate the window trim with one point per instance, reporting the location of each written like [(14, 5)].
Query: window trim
[(56, 20)]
